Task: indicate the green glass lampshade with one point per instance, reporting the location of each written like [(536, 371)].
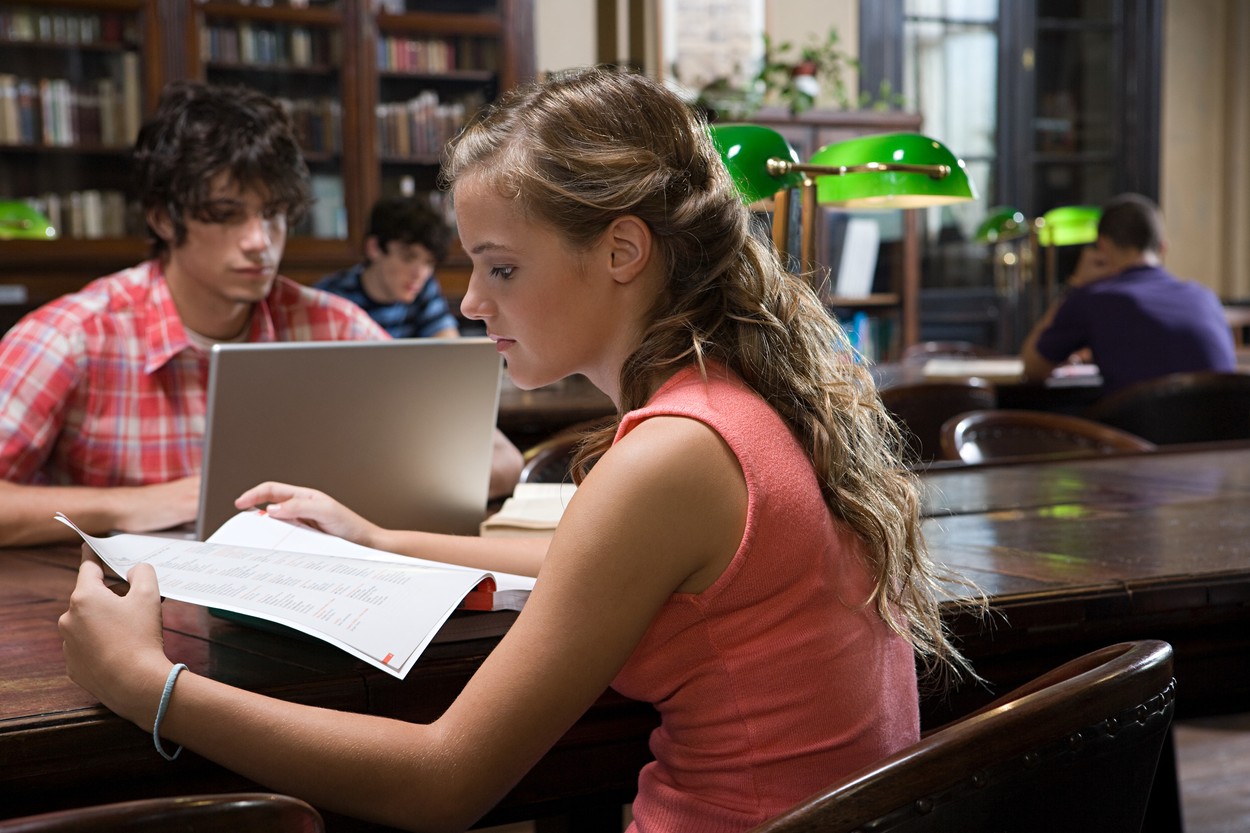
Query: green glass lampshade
[(1069, 225), (889, 170), (1002, 223), (19, 221), (746, 150)]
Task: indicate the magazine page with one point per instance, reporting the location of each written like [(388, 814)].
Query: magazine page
[(379, 610), (256, 529)]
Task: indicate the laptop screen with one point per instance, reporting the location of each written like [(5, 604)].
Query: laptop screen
[(399, 431)]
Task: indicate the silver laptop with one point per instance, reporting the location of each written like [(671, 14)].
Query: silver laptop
[(399, 431)]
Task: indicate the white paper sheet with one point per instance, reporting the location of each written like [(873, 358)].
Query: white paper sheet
[(379, 607)]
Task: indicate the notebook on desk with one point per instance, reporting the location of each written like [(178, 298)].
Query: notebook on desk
[(1005, 369), (399, 431)]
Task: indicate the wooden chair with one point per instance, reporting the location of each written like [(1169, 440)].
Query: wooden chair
[(548, 461), (981, 436), (226, 813), (1238, 318), (922, 351), (1203, 406), (1076, 749), (922, 408)]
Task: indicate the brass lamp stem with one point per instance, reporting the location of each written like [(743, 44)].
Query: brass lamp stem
[(781, 167)]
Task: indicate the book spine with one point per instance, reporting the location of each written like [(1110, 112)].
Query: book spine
[(132, 97), (47, 112), (28, 112), (9, 126)]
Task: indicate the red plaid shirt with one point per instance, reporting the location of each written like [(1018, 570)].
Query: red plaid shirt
[(102, 387)]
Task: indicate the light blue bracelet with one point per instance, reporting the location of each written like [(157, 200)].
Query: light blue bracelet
[(160, 711)]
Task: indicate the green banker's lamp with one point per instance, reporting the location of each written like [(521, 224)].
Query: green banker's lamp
[(1003, 224), (1016, 241), (1015, 254), (1067, 225), (885, 171)]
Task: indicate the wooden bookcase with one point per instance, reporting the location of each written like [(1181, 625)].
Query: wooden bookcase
[(325, 57)]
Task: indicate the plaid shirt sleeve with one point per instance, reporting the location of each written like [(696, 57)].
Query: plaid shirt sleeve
[(37, 373)]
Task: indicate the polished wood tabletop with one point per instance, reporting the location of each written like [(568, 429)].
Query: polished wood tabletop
[(1082, 552), (1075, 554), (529, 416)]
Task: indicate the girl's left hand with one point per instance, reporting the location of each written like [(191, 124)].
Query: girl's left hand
[(113, 643)]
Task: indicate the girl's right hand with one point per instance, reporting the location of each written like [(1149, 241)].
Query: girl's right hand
[(313, 507)]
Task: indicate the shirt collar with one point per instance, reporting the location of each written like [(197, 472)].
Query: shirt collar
[(165, 335), (261, 327), (164, 332)]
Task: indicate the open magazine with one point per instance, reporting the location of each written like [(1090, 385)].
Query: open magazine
[(380, 607)]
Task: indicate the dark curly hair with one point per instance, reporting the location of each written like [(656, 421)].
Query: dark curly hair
[(200, 130), (409, 220)]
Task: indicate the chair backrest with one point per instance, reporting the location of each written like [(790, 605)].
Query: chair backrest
[(1238, 318), (922, 351), (1076, 749), (982, 436), (226, 813), (548, 461), (923, 407), (1203, 406)]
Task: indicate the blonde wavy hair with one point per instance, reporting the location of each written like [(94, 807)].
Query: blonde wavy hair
[(588, 146)]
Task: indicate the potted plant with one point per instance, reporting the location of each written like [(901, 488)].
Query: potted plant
[(802, 78)]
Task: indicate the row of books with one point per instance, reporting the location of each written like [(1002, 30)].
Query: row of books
[(90, 214), (872, 337), (26, 24), (435, 6), (318, 123), (287, 4), (269, 44), (55, 113), (420, 126), (433, 55)]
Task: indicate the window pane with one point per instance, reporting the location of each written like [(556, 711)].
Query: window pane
[(1075, 107), (707, 40), (951, 76), (985, 11)]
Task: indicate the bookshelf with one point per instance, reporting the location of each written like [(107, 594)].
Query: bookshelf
[(297, 56), (326, 58), (435, 62), (75, 80)]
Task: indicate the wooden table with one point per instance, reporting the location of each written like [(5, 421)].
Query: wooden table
[(59, 747), (529, 416), (1072, 394), (1076, 554), (1079, 553)]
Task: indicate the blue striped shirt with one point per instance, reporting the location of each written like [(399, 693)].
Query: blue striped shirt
[(426, 316)]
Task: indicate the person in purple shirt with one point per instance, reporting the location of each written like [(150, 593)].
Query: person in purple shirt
[(1132, 318)]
